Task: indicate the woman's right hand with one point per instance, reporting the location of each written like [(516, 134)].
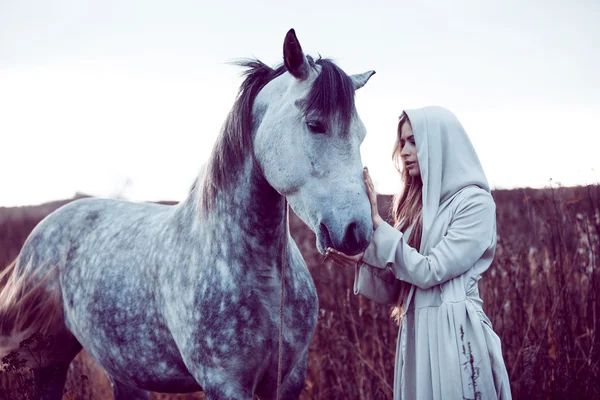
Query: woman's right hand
[(342, 259)]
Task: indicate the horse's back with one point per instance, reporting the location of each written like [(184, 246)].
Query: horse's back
[(52, 239)]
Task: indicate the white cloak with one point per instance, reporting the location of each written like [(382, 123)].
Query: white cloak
[(446, 346)]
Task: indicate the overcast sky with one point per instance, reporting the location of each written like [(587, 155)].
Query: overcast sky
[(127, 97)]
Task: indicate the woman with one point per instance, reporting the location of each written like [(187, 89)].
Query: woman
[(429, 264)]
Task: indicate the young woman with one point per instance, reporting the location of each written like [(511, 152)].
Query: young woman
[(429, 263)]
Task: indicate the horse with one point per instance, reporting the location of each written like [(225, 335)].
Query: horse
[(186, 297)]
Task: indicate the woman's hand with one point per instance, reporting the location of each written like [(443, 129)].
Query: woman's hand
[(372, 198), (343, 259)]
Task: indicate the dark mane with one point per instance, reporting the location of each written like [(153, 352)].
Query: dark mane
[(332, 92), (235, 140)]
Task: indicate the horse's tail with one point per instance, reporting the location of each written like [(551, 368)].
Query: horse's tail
[(30, 302)]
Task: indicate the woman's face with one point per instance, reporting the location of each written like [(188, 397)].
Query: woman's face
[(409, 150)]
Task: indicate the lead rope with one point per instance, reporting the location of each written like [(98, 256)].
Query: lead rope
[(283, 259)]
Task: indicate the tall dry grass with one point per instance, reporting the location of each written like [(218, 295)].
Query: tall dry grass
[(541, 293)]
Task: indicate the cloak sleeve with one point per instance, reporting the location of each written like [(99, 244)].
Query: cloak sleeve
[(377, 284), (469, 234)]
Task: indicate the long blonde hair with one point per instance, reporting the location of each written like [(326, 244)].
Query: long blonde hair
[(407, 211)]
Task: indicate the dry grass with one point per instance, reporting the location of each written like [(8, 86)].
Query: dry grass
[(541, 293)]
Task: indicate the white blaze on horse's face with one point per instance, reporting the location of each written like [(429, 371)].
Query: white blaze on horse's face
[(312, 158)]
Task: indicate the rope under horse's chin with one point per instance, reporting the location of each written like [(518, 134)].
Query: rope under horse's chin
[(283, 259)]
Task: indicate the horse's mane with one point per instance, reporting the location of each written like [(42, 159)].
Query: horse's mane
[(331, 92)]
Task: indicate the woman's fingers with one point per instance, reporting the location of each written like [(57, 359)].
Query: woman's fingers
[(356, 257), (369, 185), (367, 178), (337, 258), (372, 197), (344, 262), (343, 259)]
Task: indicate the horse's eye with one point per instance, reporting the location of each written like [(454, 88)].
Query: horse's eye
[(316, 126)]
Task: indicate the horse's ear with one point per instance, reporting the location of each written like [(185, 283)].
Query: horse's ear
[(293, 57), (360, 80)]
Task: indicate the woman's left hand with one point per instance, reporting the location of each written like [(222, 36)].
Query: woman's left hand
[(343, 259), (372, 198)]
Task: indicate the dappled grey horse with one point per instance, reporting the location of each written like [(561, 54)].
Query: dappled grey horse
[(185, 298)]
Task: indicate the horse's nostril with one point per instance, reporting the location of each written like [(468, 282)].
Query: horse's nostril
[(351, 238)]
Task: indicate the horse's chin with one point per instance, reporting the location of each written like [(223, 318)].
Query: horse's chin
[(323, 241), (321, 248)]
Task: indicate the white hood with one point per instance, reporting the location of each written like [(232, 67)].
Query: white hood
[(447, 159)]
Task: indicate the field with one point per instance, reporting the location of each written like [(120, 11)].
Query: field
[(541, 293)]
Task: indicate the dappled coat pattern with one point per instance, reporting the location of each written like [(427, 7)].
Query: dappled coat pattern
[(186, 297)]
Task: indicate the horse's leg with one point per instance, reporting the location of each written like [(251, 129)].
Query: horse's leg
[(222, 385), (124, 392), (226, 392), (50, 381), (292, 385)]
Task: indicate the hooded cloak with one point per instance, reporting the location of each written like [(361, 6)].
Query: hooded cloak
[(446, 346)]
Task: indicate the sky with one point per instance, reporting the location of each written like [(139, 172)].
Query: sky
[(126, 98)]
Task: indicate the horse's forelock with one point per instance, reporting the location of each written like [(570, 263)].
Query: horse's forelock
[(332, 94)]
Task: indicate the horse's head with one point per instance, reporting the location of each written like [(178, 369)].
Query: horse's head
[(307, 141)]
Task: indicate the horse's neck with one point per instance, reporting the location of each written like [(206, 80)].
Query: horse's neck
[(248, 214)]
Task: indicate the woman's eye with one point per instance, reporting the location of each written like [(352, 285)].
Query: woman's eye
[(316, 126)]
